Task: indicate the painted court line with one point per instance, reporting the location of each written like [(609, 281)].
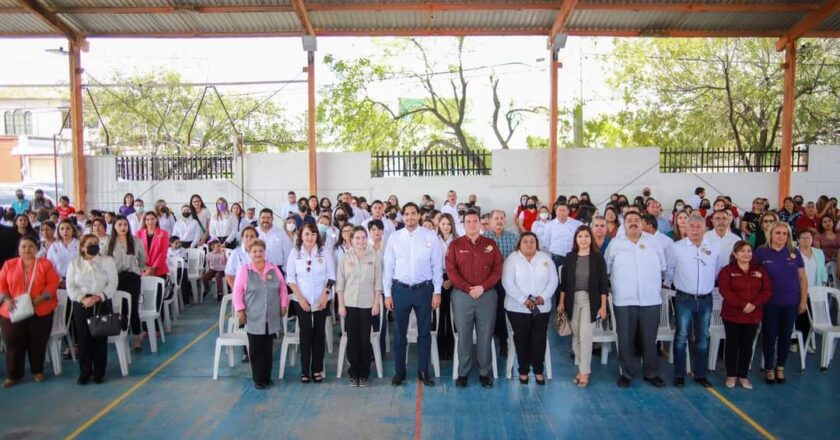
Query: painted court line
[(114, 403), (418, 411), (765, 433)]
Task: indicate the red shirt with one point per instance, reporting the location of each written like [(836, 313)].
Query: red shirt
[(528, 218), (64, 212), (472, 264), (805, 222), (739, 288)]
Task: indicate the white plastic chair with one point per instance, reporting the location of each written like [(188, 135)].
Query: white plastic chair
[(291, 339), (717, 333), (121, 341), (831, 270), (820, 317), (151, 289), (456, 361), (175, 265), (374, 342), (605, 334), (512, 346), (60, 332), (195, 270), (229, 336), (413, 332), (665, 332)]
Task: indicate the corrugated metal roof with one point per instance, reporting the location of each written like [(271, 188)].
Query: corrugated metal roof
[(24, 24), (706, 21), (497, 19)]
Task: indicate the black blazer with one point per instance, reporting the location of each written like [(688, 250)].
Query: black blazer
[(597, 282)]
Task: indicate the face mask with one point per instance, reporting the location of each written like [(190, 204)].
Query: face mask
[(679, 207), (291, 227), (573, 206), (531, 206), (92, 249), (392, 216), (543, 216), (222, 207), (646, 193), (139, 208), (341, 218), (20, 196), (186, 214), (322, 228), (461, 212)]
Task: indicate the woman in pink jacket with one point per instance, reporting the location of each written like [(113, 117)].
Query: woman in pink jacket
[(156, 243)]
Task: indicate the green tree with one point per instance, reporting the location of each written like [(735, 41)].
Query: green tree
[(159, 115), (714, 93)]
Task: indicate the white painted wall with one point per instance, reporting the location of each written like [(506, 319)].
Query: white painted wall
[(601, 172)]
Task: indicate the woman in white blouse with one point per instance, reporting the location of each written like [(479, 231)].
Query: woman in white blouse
[(91, 281), (223, 225), (310, 273), (446, 336), (65, 249), (237, 215), (166, 219), (201, 214), (529, 278), (47, 238)]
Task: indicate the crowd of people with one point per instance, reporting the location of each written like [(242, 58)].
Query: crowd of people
[(364, 261)]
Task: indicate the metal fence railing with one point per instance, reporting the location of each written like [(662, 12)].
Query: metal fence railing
[(728, 160), (429, 164), (174, 167)]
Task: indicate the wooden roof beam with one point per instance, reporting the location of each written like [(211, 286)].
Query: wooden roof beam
[(52, 20), (303, 15), (437, 6), (808, 23), (562, 17)]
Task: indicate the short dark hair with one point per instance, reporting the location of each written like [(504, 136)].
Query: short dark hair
[(629, 213), (699, 190), (266, 210), (374, 223), (527, 234), (650, 220), (291, 193), (410, 205), (174, 238), (471, 212)]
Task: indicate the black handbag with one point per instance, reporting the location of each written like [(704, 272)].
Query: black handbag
[(104, 322)]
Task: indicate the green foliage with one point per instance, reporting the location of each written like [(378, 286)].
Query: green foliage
[(354, 119), (719, 93), (157, 119)]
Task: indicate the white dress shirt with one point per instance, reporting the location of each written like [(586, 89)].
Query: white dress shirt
[(187, 230), (223, 226), (237, 259), (725, 244), (61, 255), (694, 201), (636, 270), (388, 229), (275, 245), (412, 258), (136, 224), (667, 244), (451, 210), (288, 208), (559, 237), (97, 276), (539, 227), (522, 278), (311, 272), (167, 223), (694, 269)]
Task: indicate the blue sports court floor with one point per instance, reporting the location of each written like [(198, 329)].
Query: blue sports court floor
[(171, 395)]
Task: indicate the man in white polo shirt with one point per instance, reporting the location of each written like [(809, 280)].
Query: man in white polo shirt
[(694, 270), (636, 262)]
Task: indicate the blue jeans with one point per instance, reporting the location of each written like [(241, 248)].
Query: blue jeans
[(692, 312), (405, 300)]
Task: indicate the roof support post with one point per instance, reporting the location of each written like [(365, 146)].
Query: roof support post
[(77, 125), (309, 46), (552, 123), (786, 154)]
